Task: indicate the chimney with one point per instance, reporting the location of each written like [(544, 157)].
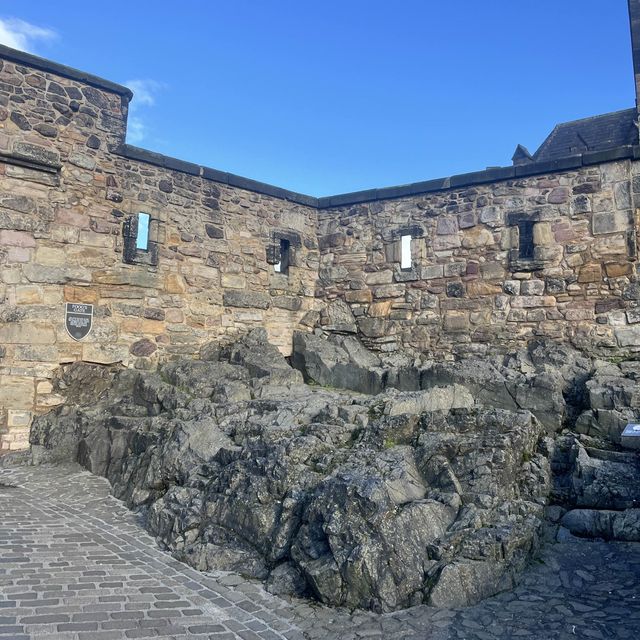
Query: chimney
[(634, 19)]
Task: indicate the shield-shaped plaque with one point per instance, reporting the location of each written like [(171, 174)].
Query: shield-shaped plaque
[(78, 319)]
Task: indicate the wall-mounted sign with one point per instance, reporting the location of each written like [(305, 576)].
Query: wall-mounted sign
[(78, 319)]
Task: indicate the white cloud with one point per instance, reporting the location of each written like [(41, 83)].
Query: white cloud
[(144, 96), (19, 34), (144, 91)]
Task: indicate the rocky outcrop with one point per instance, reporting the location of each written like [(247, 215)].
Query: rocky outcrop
[(397, 482)]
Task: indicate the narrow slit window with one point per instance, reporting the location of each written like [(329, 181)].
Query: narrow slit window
[(525, 240), (282, 266), (142, 239), (405, 252)]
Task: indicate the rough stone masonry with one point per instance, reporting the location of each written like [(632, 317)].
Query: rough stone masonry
[(546, 248)]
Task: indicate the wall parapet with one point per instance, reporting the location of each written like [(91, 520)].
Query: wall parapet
[(55, 68)]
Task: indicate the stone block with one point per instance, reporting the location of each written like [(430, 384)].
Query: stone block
[(453, 269), (628, 336), (372, 327), (379, 277), (36, 353), (28, 294), (559, 195), (37, 153), (27, 333), (358, 295), (532, 287), (456, 321), (17, 239), (16, 392), (633, 315), (246, 299), (618, 269), (543, 234), (135, 277), (476, 237), (290, 303), (389, 291), (17, 418), (233, 281), (105, 353), (610, 222), (432, 271), (590, 273), (380, 309), (480, 288), (447, 225), (55, 275), (86, 295), (174, 283)]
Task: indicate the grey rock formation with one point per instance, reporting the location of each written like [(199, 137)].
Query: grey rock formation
[(396, 482)]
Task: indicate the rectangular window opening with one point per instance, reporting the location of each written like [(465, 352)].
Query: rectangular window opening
[(405, 252), (282, 266), (142, 239), (525, 243)]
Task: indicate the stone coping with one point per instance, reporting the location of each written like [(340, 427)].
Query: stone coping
[(489, 175), (48, 66), (493, 174)]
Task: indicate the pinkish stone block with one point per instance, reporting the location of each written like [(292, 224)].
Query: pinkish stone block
[(16, 239)]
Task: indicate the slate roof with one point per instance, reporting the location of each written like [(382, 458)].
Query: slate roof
[(589, 134)]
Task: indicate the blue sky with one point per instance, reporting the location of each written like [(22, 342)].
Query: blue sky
[(336, 96)]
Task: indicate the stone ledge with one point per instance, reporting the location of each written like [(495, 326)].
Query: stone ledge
[(150, 157), (35, 62)]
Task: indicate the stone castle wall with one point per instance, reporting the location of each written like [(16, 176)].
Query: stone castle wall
[(71, 189), (469, 287), (64, 196)]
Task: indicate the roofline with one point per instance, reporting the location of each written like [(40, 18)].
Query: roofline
[(493, 174), (560, 125), (36, 62)]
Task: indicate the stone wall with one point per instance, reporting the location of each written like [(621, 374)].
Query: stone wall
[(470, 288), (67, 188), (498, 257)]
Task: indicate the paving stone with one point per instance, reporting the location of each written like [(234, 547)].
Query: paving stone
[(112, 582)]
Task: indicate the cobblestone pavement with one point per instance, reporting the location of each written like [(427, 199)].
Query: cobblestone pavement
[(76, 565)]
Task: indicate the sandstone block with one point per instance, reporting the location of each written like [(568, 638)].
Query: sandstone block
[(29, 294), (380, 309), (455, 321), (590, 273), (50, 274), (618, 269), (379, 277), (476, 237), (361, 296), (233, 281), (27, 333), (543, 234), (16, 392)]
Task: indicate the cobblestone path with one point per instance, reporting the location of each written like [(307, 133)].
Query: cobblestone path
[(76, 565)]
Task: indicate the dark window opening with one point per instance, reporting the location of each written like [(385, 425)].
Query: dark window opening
[(282, 266), (525, 240)]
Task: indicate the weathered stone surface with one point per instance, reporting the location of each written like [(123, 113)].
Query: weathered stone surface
[(247, 299), (369, 501)]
